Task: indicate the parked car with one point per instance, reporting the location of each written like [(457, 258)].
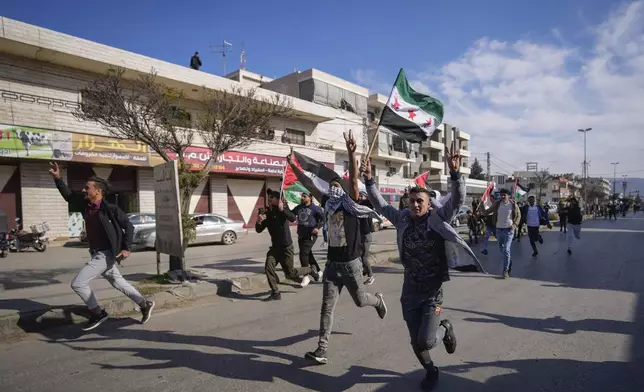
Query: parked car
[(382, 224), (211, 228), (140, 221), (461, 217)]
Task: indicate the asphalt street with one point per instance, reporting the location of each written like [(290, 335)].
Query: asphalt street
[(561, 323)]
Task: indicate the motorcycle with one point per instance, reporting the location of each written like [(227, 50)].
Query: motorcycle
[(4, 235), (20, 240)]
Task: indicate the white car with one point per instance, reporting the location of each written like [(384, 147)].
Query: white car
[(383, 223)]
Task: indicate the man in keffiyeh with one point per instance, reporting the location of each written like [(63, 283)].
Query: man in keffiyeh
[(344, 265)]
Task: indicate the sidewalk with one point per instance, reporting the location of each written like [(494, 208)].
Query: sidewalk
[(37, 307)]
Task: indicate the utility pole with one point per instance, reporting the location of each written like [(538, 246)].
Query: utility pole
[(585, 168), (487, 155), (614, 175)]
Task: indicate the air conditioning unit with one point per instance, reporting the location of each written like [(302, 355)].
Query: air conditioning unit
[(387, 163)]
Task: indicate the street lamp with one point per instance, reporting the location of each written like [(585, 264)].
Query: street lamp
[(585, 171), (614, 175)]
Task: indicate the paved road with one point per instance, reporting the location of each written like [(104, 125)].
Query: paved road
[(562, 323)]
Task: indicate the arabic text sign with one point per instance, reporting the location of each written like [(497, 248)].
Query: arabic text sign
[(236, 162), (99, 149), (169, 233)]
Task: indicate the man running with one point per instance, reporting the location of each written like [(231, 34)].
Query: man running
[(490, 226), (109, 233), (310, 218), (422, 239), (367, 230), (277, 219), (562, 209), (574, 219), (344, 265), (534, 217), (507, 216)]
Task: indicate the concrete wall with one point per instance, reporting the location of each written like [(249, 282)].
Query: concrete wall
[(41, 200)]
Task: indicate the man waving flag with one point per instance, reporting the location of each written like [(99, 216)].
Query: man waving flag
[(409, 114)]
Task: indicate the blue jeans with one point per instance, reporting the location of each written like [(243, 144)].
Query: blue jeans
[(504, 236)]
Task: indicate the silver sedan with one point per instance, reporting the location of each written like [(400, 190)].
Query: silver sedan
[(211, 228)]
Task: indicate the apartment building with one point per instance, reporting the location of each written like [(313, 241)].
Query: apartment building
[(41, 73), (600, 187)]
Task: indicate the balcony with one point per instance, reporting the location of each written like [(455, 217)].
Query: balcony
[(434, 145), (465, 153), (428, 165)]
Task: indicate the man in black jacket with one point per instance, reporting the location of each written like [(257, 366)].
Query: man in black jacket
[(404, 200), (110, 234), (276, 219), (195, 61), (575, 218)]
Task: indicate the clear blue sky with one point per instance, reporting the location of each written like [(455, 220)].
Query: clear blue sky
[(334, 36)]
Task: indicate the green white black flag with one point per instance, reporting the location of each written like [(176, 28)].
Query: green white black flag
[(410, 114)]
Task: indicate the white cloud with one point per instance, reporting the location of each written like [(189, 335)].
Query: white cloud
[(524, 101)]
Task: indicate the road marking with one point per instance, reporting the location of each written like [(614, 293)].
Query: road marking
[(611, 230)]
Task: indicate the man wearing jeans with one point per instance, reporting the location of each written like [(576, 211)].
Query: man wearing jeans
[(109, 233), (344, 266), (310, 218), (507, 215), (423, 237), (367, 230)]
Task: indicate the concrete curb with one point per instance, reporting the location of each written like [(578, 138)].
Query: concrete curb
[(19, 324)]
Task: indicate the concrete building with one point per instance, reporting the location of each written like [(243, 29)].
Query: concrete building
[(248, 79), (601, 187), (41, 73)]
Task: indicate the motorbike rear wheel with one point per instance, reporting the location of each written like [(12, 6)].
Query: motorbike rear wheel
[(3, 254), (40, 247)]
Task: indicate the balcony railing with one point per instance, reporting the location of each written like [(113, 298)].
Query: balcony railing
[(271, 137)]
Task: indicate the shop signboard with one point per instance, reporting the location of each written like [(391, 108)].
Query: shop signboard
[(35, 143), (106, 150), (235, 162), (169, 233)]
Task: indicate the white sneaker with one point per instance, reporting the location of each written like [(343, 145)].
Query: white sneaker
[(305, 281), (323, 245), (320, 275)]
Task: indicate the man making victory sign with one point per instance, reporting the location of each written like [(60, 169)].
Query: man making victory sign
[(423, 235)]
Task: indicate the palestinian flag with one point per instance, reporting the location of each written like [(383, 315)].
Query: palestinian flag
[(409, 114), (519, 191), (320, 174), (422, 180)]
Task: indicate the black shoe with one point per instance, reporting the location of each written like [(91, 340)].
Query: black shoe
[(315, 273), (449, 340), (382, 308), (275, 296), (95, 320), (541, 240), (430, 380), (535, 253), (318, 356), (147, 311), (484, 251), (569, 251)]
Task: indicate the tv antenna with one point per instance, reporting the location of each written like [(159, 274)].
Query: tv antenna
[(223, 49)]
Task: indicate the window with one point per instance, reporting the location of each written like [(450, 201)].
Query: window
[(371, 116), (398, 144), (180, 115), (345, 166), (210, 219), (424, 157), (295, 137), (141, 219), (434, 156)]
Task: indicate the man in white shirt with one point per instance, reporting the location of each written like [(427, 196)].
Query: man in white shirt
[(534, 216), (507, 219)]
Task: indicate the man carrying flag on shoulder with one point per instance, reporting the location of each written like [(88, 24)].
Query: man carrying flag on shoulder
[(423, 236), (343, 216)]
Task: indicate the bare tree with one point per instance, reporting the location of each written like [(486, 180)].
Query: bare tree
[(146, 110), (541, 182)]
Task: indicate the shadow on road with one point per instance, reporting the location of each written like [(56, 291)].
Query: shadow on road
[(253, 363), (38, 317), (24, 278)]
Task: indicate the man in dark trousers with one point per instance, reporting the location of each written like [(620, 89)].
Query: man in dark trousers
[(276, 219), (423, 237), (310, 219), (534, 217), (367, 229), (195, 61), (404, 200), (109, 233), (562, 209)]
